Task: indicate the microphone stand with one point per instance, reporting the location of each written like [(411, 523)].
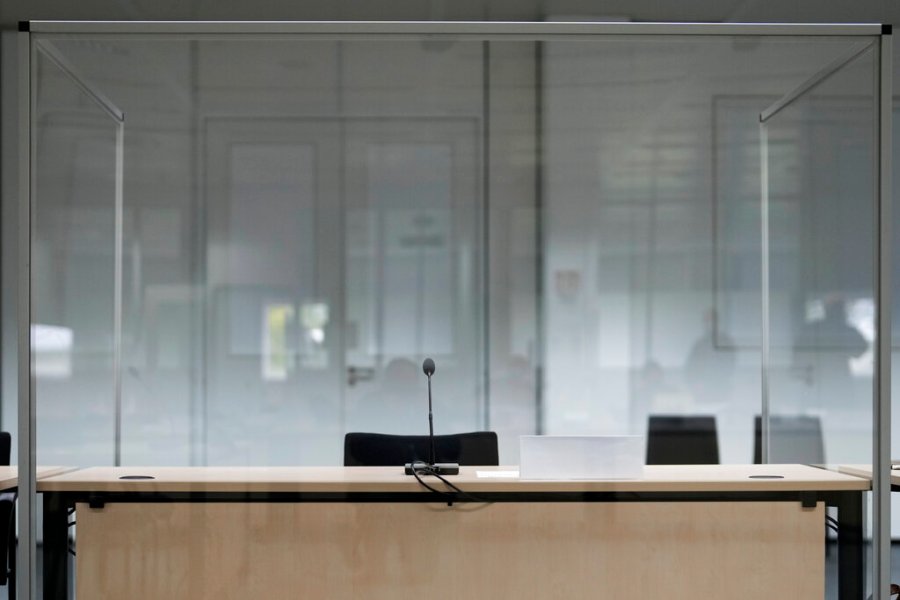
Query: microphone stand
[(432, 467), (433, 458)]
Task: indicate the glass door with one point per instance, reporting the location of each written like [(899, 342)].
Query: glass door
[(412, 274), (272, 339), (340, 253)]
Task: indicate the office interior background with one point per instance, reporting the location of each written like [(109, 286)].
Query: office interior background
[(291, 256)]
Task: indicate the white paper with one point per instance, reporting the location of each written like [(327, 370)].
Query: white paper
[(498, 474)]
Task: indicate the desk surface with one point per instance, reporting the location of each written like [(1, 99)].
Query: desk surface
[(9, 476), (865, 472), (657, 478)]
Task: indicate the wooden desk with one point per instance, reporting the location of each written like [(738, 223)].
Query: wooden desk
[(679, 532), (8, 478), (9, 475), (865, 471)]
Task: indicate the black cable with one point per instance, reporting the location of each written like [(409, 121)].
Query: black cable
[(426, 469), (466, 495)]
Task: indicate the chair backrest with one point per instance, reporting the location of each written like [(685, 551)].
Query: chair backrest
[(792, 439), (383, 450), (682, 440), (5, 447)]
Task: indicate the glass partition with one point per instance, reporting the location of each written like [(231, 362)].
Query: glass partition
[(653, 244), (78, 140), (246, 242), (819, 201)]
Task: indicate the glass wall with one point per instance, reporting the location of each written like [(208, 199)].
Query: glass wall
[(821, 273), (652, 239), (74, 268), (245, 246), (289, 257)]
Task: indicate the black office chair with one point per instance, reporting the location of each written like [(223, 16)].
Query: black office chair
[(682, 440), (383, 450), (792, 439), (7, 524)]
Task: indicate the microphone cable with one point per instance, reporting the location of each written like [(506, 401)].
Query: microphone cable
[(450, 497)]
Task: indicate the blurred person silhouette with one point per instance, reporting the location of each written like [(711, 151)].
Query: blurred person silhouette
[(825, 346), (649, 390), (396, 405), (710, 364)]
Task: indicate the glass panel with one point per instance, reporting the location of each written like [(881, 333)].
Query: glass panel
[(651, 235), (411, 270), (289, 253), (273, 385), (821, 190), (73, 274), (570, 228)]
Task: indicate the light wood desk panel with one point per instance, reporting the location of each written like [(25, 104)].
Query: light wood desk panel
[(865, 472), (676, 551), (9, 475)]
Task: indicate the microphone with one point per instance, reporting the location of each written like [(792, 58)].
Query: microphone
[(431, 467)]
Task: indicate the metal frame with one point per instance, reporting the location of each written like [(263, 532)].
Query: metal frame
[(482, 31), (57, 58), (26, 574), (29, 50), (881, 401), (764, 289), (814, 81)]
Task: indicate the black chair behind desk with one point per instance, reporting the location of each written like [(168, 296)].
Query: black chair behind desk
[(682, 440), (792, 439), (383, 450), (7, 524)]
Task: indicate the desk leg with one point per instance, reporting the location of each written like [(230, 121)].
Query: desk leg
[(56, 547), (851, 580)]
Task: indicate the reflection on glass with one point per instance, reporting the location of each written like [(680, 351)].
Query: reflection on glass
[(709, 366), (277, 357), (822, 267), (52, 346), (300, 233), (73, 272), (570, 228), (313, 348)]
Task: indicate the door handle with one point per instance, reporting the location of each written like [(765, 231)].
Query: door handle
[(356, 374)]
